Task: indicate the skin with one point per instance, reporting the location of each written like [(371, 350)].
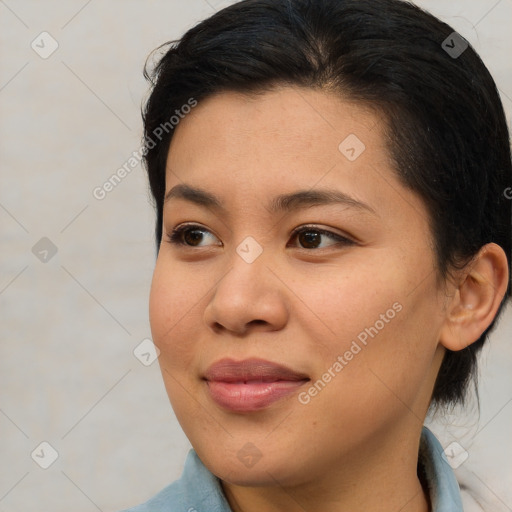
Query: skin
[(353, 446)]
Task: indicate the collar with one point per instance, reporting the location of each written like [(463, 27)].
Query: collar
[(443, 487)]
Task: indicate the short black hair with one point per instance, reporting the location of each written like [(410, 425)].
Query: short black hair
[(446, 128)]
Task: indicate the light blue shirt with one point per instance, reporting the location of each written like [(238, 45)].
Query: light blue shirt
[(198, 490)]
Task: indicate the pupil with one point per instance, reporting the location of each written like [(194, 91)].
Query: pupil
[(308, 238), (193, 236)]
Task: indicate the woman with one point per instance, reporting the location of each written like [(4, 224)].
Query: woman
[(334, 238)]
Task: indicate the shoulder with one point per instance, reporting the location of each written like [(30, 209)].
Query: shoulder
[(197, 489)]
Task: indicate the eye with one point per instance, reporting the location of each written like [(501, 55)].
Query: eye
[(189, 235), (310, 237)]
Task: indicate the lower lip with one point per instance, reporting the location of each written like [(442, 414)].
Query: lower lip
[(252, 396)]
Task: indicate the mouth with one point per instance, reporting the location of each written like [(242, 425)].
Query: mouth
[(252, 384)]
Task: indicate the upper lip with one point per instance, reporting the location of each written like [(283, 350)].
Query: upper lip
[(251, 370)]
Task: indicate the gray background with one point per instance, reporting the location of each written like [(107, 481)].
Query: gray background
[(68, 374)]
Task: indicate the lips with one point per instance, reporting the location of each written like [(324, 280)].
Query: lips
[(251, 384)]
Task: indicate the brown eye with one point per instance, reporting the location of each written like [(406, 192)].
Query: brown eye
[(189, 235), (192, 236), (310, 237)]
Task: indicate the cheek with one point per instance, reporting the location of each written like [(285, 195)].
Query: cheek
[(387, 358), (174, 304), (340, 303), (371, 319)]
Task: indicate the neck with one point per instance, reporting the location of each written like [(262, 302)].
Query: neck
[(378, 477)]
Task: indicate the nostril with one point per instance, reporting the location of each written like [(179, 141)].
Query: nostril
[(257, 322)]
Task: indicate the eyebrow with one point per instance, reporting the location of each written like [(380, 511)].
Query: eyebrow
[(282, 203)]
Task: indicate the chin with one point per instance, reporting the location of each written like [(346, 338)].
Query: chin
[(248, 477), (249, 468)]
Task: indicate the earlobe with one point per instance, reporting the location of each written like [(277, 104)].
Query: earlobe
[(476, 300)]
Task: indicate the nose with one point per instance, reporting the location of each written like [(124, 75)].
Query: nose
[(249, 297)]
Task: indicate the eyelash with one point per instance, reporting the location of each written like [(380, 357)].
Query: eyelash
[(175, 236)]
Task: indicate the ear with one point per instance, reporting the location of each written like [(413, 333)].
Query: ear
[(478, 295)]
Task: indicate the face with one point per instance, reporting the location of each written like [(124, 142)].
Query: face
[(295, 305)]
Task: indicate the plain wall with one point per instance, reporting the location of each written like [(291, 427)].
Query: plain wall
[(69, 325)]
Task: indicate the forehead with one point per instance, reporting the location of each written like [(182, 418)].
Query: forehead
[(283, 130), (244, 148)]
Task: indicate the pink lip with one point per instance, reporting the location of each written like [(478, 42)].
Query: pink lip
[(251, 384)]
